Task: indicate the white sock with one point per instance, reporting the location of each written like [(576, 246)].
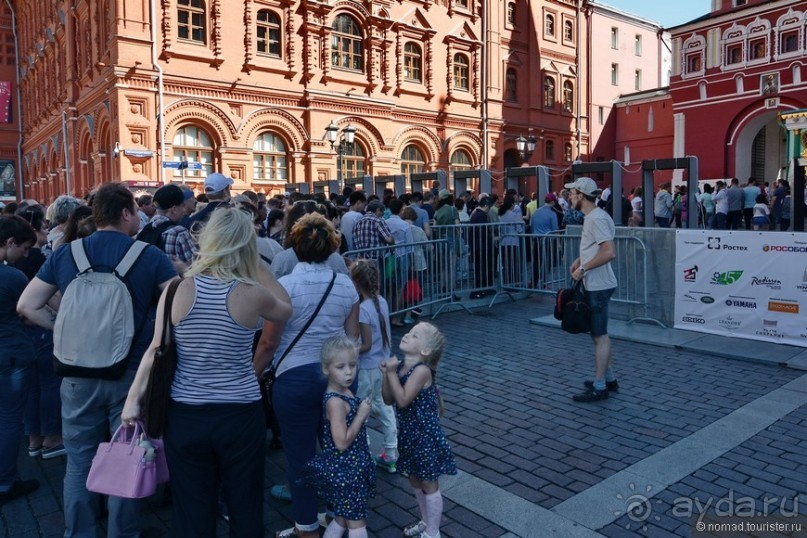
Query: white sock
[(361, 532), (334, 530), (434, 512)]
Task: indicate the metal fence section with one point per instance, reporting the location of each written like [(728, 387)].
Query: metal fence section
[(413, 275)]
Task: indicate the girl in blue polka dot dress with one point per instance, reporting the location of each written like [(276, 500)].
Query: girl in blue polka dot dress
[(423, 451), (343, 473)]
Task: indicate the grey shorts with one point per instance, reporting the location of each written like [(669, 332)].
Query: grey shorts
[(598, 302)]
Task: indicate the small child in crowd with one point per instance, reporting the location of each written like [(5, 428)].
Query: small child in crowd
[(374, 326), (761, 220), (424, 451), (343, 473)]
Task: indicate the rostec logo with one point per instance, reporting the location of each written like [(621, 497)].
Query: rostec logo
[(724, 279), (741, 303), (780, 306), (771, 283), (715, 243), (694, 319), (690, 274), (783, 248)]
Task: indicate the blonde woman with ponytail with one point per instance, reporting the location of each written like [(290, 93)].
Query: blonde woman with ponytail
[(215, 431), (374, 325)]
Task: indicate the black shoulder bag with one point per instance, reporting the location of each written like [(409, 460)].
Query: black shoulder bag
[(161, 377), (268, 378)]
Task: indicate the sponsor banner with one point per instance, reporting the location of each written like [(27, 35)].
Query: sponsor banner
[(743, 284)]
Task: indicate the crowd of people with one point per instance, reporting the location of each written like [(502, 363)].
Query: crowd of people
[(263, 286)]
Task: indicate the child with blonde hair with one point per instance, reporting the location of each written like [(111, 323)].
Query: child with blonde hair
[(424, 451), (343, 473), (374, 326)]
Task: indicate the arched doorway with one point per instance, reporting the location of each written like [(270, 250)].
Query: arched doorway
[(760, 150)]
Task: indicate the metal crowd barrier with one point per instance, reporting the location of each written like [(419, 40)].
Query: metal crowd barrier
[(485, 261)]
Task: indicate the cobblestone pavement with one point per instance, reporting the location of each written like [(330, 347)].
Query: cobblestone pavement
[(683, 427)]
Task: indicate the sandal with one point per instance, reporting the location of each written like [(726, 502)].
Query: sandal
[(281, 492), (294, 531)]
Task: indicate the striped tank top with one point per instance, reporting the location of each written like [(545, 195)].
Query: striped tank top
[(214, 352)]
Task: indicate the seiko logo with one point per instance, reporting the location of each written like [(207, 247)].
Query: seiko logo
[(693, 319)]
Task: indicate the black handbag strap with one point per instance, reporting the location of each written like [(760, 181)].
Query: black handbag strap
[(307, 325), (168, 329)]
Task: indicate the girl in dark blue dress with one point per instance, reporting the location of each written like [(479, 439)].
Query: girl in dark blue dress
[(343, 473), (423, 451)]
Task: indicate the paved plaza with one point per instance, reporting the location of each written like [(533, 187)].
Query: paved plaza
[(688, 431)]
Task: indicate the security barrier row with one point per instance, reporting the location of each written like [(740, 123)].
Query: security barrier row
[(475, 264)]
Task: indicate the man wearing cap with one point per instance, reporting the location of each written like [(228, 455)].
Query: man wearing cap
[(593, 267), (217, 190), (371, 231), (176, 240)]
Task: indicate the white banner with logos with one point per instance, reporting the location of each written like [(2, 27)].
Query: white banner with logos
[(743, 284)]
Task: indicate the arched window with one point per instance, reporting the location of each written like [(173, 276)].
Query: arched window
[(550, 150), (191, 20), (568, 31), (568, 96), (511, 13), (461, 72), (549, 26), (549, 92), (353, 161), (268, 25), (567, 152), (412, 161), (269, 158), (511, 85), (347, 48), (460, 161), (193, 145), (413, 62)]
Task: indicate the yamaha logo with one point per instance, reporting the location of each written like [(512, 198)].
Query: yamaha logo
[(741, 303)]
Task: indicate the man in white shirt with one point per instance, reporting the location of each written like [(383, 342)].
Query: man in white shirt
[(358, 201), (593, 267)]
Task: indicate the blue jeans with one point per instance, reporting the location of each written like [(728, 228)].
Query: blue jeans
[(663, 222), (14, 385), (90, 414), (43, 410)]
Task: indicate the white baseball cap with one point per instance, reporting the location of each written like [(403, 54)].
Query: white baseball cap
[(586, 185), (216, 182)]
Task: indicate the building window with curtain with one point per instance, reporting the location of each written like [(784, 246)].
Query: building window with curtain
[(412, 161), (193, 144), (568, 31), (568, 96), (191, 21), (268, 33), (549, 92), (269, 158), (614, 37), (614, 74), (413, 62), (511, 85), (353, 161), (460, 161), (567, 152), (347, 48), (461, 72), (549, 26), (511, 13)]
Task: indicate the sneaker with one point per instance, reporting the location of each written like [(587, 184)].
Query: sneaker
[(591, 395), (415, 529), (387, 463), (18, 489), (477, 295), (53, 452), (612, 386), (34, 451)]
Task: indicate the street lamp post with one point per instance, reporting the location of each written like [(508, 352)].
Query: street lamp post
[(525, 146), (348, 137)]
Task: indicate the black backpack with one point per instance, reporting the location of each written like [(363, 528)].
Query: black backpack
[(153, 235)]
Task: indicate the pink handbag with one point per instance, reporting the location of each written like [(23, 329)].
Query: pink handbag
[(128, 467)]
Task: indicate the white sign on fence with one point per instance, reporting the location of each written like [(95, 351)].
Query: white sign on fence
[(744, 284)]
